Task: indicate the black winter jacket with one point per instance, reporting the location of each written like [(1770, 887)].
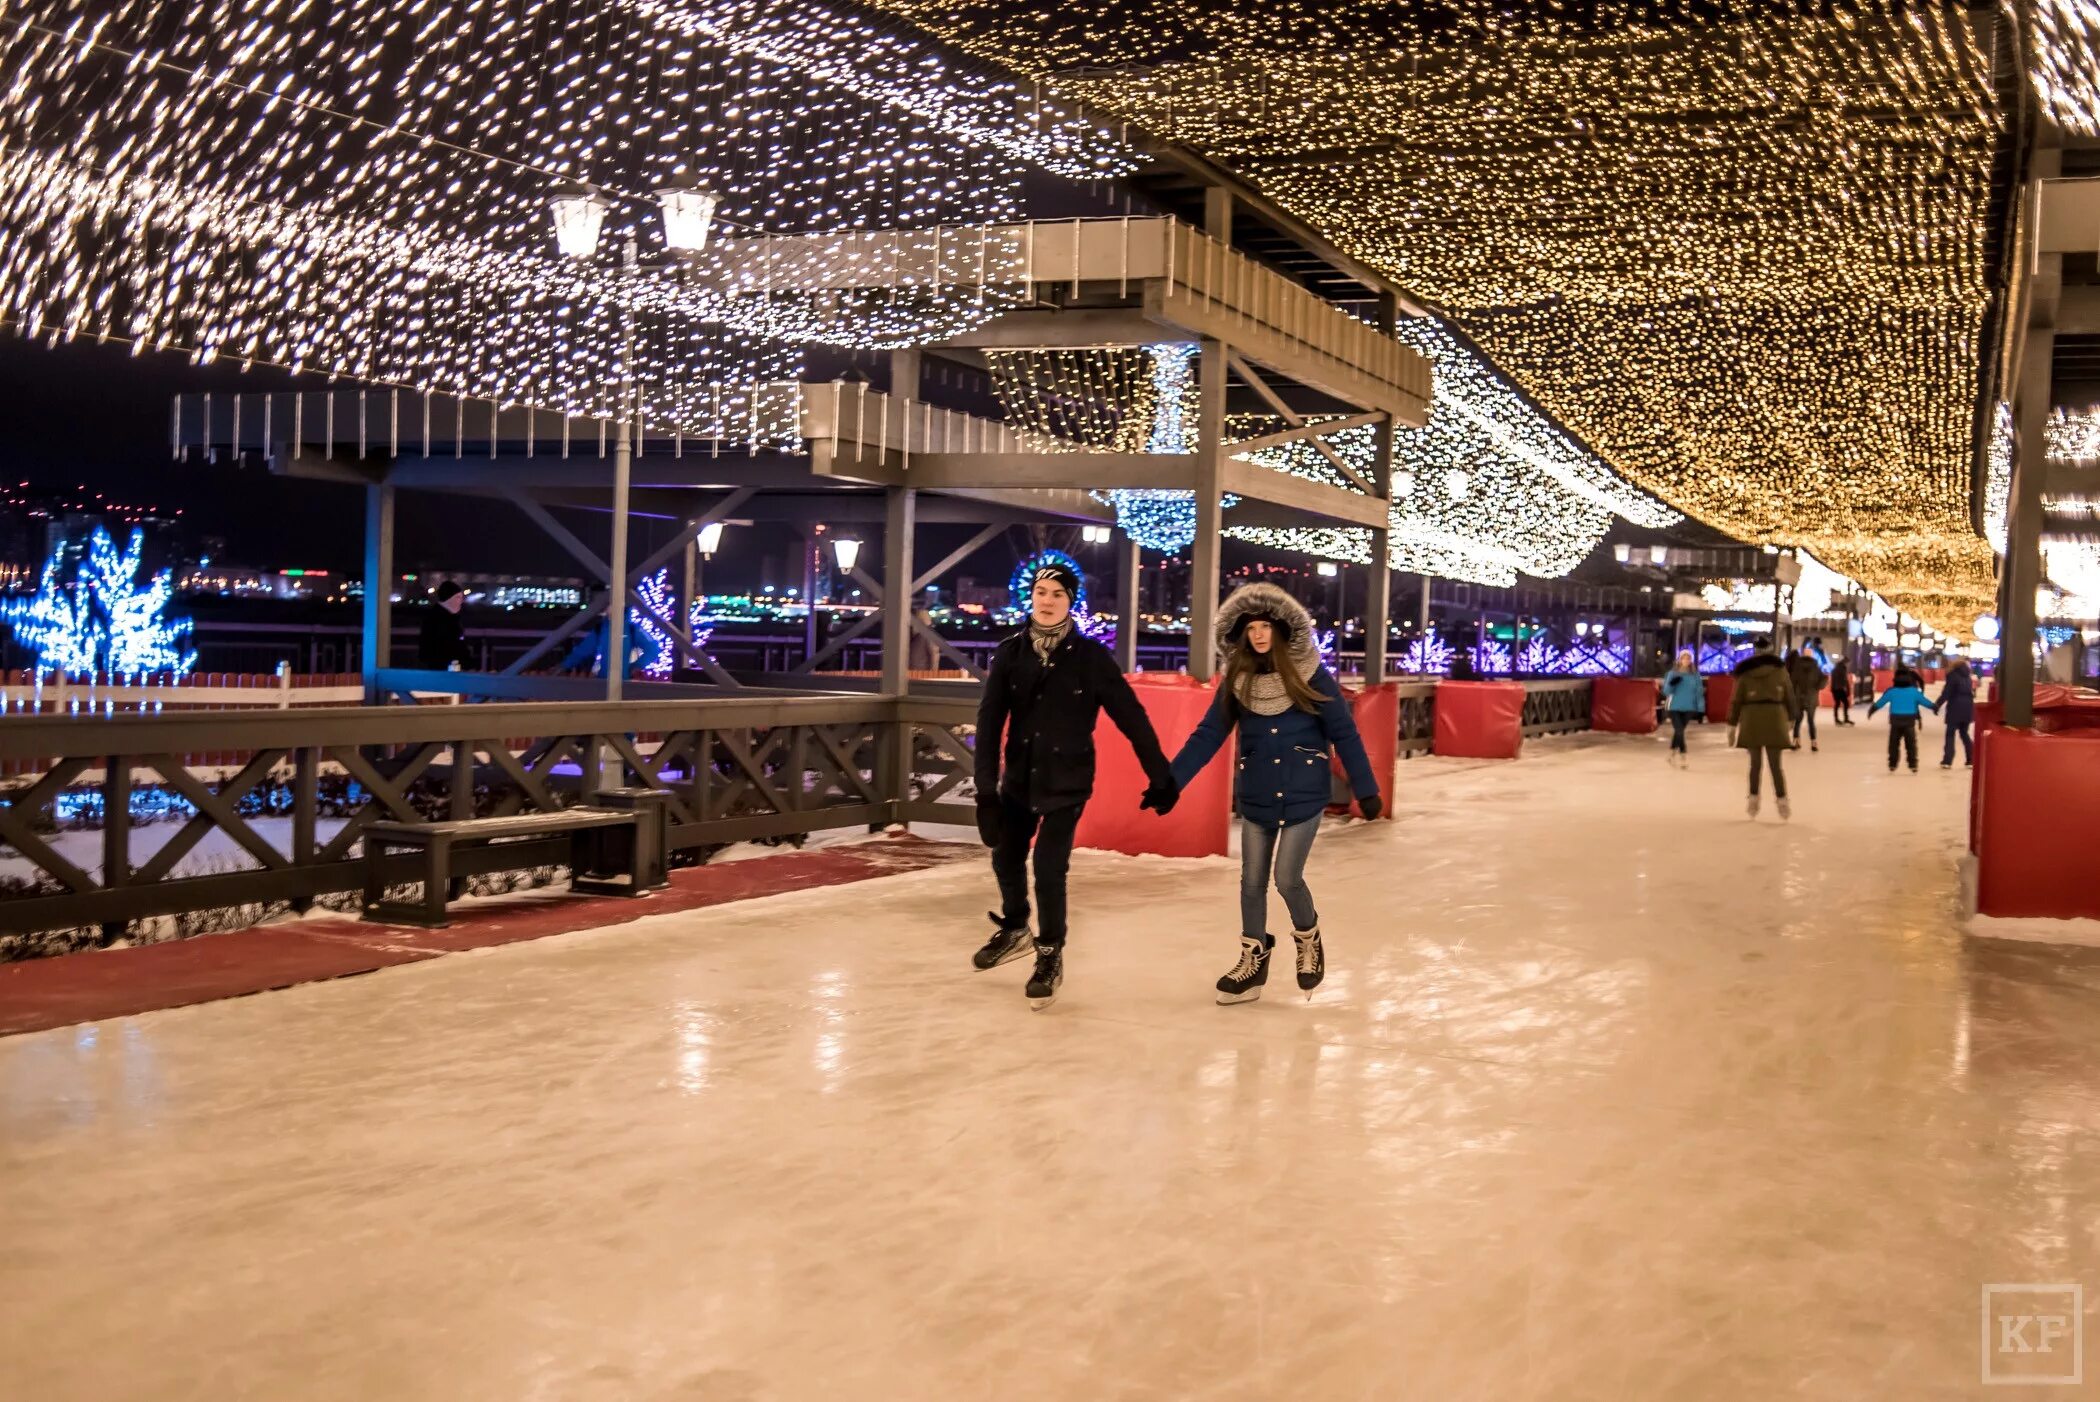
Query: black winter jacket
[(1047, 712)]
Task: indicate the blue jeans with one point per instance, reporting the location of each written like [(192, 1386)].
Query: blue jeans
[(1286, 849)]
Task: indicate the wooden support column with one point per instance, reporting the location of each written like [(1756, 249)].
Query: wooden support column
[(2023, 532), (1205, 574), (379, 587), (900, 510), (1425, 604), (1378, 583), (1127, 581), (2021, 575)]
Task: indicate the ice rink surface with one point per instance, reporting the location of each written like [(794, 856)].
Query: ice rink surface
[(1611, 1094)]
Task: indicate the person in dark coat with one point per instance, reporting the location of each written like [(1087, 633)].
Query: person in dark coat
[(441, 641), (1048, 686), (1841, 691), (1805, 667), (1759, 715), (1958, 712), (1289, 712)]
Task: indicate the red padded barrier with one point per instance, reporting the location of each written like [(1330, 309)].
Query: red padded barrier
[(1376, 710), (1201, 823), (1720, 693), (1884, 678), (2039, 815), (1479, 720), (1623, 705)]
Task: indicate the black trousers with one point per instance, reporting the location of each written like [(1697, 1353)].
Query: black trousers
[(1903, 732), (1841, 707), (1960, 728), (1678, 720), (1808, 713), (1770, 754), (1051, 833)]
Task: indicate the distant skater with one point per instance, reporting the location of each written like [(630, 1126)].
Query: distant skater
[(1290, 714), (1048, 685), (1806, 669), (1685, 690), (1958, 712), (1904, 699), (1841, 692), (1759, 715)]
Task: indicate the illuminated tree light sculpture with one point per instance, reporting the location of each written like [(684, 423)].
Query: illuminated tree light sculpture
[(106, 620)]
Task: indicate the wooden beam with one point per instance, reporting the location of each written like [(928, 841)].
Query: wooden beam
[(1303, 430), (1260, 483), (1296, 420), (1082, 329)]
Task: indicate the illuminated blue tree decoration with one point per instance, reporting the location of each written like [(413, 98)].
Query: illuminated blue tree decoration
[(1539, 655), (1426, 654), (1157, 519), (658, 658), (105, 620)]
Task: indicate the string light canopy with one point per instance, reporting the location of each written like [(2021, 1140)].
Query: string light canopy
[(364, 188), (1489, 488), (1739, 252)]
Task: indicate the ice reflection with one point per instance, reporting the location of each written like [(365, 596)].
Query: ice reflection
[(828, 1055), (696, 1040)]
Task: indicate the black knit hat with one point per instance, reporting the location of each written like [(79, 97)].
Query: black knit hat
[(448, 590), (1063, 573)]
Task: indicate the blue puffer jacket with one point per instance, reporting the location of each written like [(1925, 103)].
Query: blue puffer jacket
[(1903, 700), (1687, 691), (1284, 772)]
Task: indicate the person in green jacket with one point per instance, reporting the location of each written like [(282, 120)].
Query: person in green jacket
[(1761, 716)]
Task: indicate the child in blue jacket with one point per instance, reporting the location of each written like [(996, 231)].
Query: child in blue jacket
[(1903, 700), (1685, 690), (1289, 711)]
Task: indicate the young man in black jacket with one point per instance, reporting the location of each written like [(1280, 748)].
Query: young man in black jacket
[(1048, 685)]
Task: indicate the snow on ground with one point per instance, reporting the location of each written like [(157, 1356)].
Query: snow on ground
[(1612, 1093)]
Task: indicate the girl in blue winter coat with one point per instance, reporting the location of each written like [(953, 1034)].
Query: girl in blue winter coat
[(1685, 690), (1290, 716)]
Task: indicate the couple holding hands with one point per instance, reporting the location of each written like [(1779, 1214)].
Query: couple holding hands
[(1049, 683)]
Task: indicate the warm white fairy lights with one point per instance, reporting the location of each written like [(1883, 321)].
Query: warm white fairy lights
[(2064, 61), (2074, 438), (1512, 494), (363, 188), (1741, 254)]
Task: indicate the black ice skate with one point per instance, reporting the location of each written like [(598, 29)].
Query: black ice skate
[(1243, 984), (1312, 959), (1005, 945), (1049, 974)]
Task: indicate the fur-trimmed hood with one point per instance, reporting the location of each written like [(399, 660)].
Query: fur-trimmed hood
[(1267, 601)]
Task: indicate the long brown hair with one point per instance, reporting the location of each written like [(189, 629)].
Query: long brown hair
[(1242, 664)]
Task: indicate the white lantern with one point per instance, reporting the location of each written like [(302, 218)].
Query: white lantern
[(710, 538), (1403, 483), (1658, 554), (1622, 553), (847, 551), (1456, 485), (1987, 627), (1329, 569), (578, 216), (688, 216)]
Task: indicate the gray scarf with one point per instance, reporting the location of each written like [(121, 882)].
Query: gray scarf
[(1047, 639), (1264, 694)]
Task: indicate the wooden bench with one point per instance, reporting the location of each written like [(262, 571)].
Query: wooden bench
[(608, 855)]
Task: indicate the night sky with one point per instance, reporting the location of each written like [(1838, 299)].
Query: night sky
[(97, 417)]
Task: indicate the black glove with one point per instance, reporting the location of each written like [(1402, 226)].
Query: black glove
[(1371, 807), (1161, 797), (991, 823)]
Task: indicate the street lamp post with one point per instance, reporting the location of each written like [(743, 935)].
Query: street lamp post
[(579, 218)]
